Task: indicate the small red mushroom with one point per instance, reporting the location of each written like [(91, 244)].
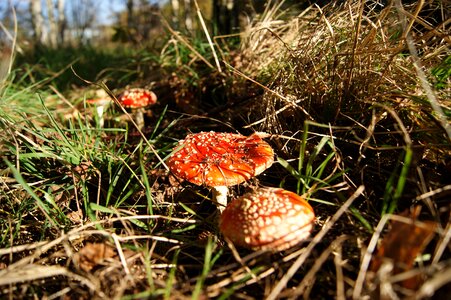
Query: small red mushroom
[(271, 219), (137, 100), (101, 104), (219, 160)]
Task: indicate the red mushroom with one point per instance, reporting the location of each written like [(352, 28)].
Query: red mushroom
[(101, 104), (271, 219), (137, 99), (219, 160)]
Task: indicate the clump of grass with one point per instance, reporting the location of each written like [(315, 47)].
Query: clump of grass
[(332, 64), (353, 69), (350, 66), (70, 182), (442, 74)]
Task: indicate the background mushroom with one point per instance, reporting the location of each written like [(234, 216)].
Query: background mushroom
[(267, 219), (101, 104), (219, 160), (137, 99)]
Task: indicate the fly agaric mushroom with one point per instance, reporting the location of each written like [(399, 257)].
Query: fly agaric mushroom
[(219, 160), (137, 100), (271, 219), (101, 104)]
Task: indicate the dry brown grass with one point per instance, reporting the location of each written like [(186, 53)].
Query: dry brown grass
[(359, 72), (335, 63)]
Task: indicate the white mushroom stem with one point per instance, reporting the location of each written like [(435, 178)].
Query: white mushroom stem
[(220, 197), (139, 118), (100, 109)]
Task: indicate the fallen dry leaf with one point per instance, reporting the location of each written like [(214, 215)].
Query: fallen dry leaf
[(76, 216), (403, 243), (93, 254)]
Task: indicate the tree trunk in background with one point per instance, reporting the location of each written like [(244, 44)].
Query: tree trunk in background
[(61, 21), (130, 8), (37, 20), (175, 13), (53, 25), (83, 16), (231, 16), (130, 30), (147, 19), (188, 15), (223, 15)]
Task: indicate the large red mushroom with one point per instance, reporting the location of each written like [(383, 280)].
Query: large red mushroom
[(271, 219), (219, 160), (137, 99)]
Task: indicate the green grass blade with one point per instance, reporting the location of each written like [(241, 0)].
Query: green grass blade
[(41, 204), (302, 147), (205, 270), (157, 125), (394, 188), (401, 181), (147, 187), (288, 167), (171, 277)]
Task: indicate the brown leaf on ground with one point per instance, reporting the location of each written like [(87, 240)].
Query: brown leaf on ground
[(403, 243), (75, 216), (93, 254)]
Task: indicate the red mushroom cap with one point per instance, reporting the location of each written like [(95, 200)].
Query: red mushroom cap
[(137, 98), (220, 159), (267, 219)]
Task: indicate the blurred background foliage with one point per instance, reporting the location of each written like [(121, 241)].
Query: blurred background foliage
[(114, 41)]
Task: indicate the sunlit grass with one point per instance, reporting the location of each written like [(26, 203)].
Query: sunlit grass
[(116, 65)]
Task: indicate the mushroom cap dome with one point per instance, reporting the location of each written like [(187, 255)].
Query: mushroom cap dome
[(220, 159), (137, 98), (267, 219)]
